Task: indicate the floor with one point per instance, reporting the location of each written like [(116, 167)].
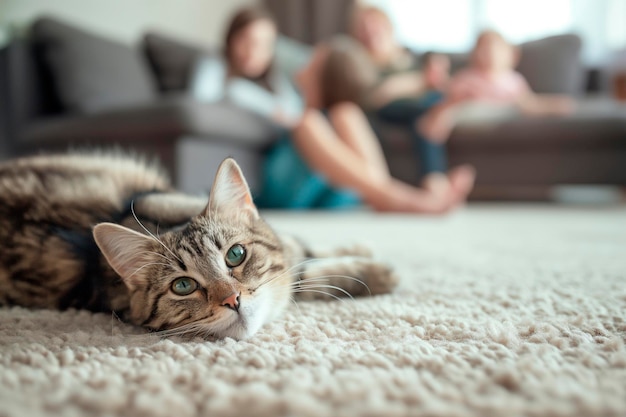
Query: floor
[(502, 310)]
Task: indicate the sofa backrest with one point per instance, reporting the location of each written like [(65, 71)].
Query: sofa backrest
[(4, 111), (92, 73), (172, 61), (29, 91), (58, 68), (553, 64)]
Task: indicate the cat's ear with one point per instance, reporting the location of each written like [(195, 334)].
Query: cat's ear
[(230, 192), (124, 249)]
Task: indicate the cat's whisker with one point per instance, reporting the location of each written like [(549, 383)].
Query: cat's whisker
[(154, 253), (330, 287), (293, 300), (180, 330), (287, 271), (146, 265), (320, 286), (321, 292), (290, 285), (325, 278), (317, 289), (132, 210)]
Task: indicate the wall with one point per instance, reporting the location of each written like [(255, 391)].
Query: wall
[(126, 20)]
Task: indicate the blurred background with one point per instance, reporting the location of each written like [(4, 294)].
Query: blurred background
[(137, 56)]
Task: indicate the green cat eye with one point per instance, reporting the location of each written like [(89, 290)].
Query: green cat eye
[(184, 286), (235, 255)]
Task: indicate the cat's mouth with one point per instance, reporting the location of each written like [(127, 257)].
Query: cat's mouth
[(243, 323), (235, 326)]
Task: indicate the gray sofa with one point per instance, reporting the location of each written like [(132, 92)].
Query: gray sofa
[(63, 87)]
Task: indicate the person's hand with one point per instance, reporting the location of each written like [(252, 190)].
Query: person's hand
[(562, 105), (437, 72), (547, 105), (283, 119)]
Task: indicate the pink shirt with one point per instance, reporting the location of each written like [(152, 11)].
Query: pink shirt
[(471, 84)]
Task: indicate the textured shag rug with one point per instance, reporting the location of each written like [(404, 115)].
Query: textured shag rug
[(502, 310)]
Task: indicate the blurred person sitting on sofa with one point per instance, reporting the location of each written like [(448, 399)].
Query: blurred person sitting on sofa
[(407, 87), (489, 88), (401, 73), (332, 157), (247, 76)]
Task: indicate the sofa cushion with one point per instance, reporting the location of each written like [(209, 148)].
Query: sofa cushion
[(172, 61), (92, 73), (553, 65), (164, 120)]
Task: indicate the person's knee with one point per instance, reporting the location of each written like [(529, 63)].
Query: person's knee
[(345, 109)]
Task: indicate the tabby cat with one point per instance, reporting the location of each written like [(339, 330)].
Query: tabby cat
[(109, 233)]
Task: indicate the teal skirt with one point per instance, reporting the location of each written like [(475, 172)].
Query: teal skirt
[(289, 183)]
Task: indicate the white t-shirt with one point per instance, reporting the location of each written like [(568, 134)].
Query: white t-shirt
[(211, 84)]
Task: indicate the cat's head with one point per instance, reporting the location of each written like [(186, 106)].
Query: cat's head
[(223, 274)]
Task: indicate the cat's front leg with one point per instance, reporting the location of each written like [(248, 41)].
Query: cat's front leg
[(345, 276)]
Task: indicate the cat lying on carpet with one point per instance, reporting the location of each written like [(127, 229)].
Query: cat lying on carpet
[(71, 226)]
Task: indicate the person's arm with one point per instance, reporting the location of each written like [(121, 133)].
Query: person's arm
[(408, 84), (257, 99), (546, 104), (464, 87), (533, 104), (208, 79), (352, 126)]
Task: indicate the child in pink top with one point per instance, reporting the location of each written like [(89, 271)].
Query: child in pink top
[(490, 81)]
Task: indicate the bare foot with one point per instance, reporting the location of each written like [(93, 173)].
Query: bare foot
[(462, 181), (456, 185), (437, 183), (403, 198)]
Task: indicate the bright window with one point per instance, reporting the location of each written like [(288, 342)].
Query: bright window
[(452, 25), (520, 21)]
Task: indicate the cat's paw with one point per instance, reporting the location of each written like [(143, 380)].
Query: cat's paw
[(380, 278)]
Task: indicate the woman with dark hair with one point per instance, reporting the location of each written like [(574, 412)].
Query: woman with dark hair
[(245, 76)]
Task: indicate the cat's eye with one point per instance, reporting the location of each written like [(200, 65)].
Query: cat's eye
[(184, 286), (235, 255)]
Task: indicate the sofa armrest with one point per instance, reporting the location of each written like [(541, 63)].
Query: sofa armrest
[(162, 120)]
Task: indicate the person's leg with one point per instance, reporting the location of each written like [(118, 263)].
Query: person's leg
[(407, 112), (434, 169), (404, 111), (353, 128), (438, 122), (431, 154), (344, 167), (287, 182)]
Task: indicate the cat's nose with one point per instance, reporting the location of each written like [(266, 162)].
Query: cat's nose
[(232, 301)]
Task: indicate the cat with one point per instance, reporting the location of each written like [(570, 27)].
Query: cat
[(108, 233)]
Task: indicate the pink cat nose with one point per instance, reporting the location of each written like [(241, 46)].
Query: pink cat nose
[(232, 301)]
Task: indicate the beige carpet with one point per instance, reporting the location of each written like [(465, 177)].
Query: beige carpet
[(502, 311)]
